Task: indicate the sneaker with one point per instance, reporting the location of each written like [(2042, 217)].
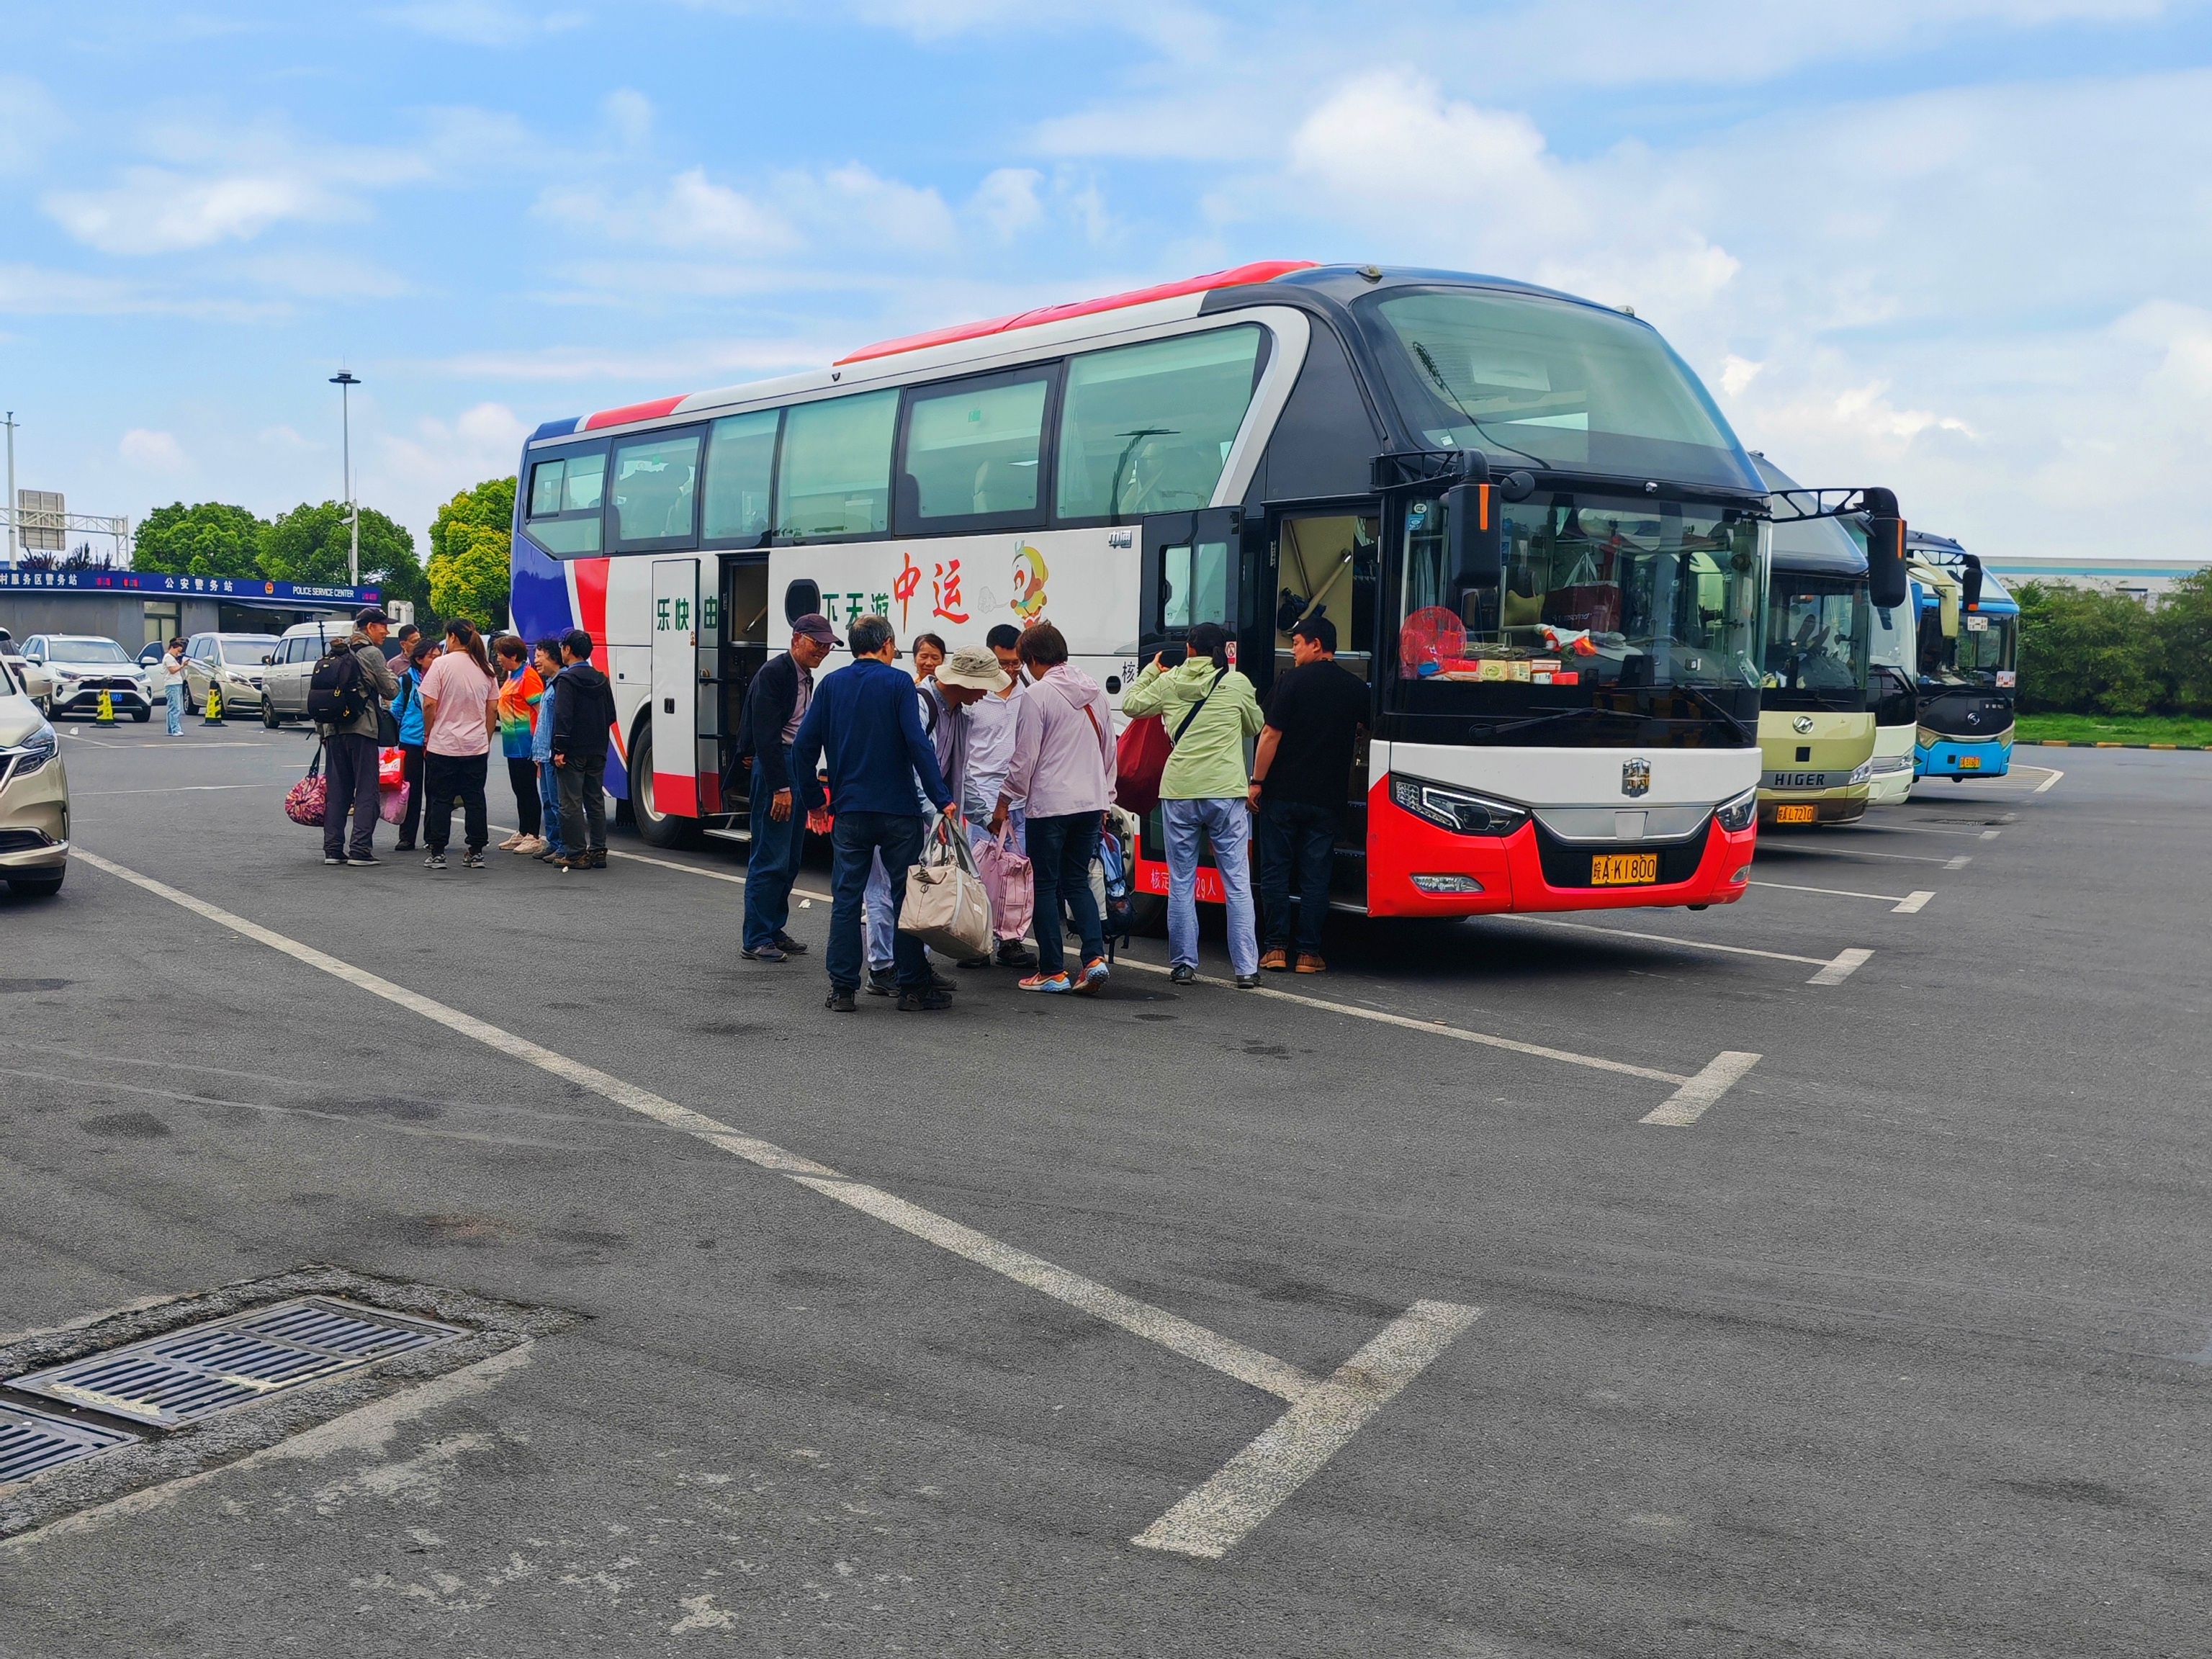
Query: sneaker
[(1248, 981), (597, 861), (880, 982), (1093, 977), (923, 1001), (1310, 961), (1276, 961), (789, 946), (550, 855), (840, 1002), (1013, 953), (938, 982), (1051, 984), (1183, 974), (436, 861), (367, 858), (513, 841), (327, 859), (568, 865), (529, 845), (473, 859), (770, 952)]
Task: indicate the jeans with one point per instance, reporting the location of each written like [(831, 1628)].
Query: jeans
[(176, 695), (1061, 850), (1228, 825), (349, 784), (882, 919), (1294, 835), (549, 803), (410, 771), (451, 775), (773, 864), (854, 840), (584, 806), (522, 778)]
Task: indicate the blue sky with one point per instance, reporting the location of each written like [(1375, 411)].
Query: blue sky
[(1963, 247)]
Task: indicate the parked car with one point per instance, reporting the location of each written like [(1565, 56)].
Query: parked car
[(236, 662), (33, 793), (78, 667), (284, 682), (31, 680)]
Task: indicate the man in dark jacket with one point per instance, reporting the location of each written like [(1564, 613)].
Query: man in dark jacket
[(349, 751), (865, 719), (583, 713), (775, 703)]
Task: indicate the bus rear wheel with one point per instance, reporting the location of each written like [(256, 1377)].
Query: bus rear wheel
[(655, 828)]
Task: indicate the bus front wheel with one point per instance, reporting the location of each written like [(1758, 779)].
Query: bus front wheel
[(655, 828)]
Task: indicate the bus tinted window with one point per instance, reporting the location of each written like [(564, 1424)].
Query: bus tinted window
[(1147, 428), (836, 473), (655, 486), (740, 465), (580, 489), (973, 449), (545, 489)]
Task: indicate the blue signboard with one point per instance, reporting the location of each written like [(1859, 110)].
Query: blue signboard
[(241, 588)]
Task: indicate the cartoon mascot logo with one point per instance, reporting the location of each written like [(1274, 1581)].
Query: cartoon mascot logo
[(1029, 573)]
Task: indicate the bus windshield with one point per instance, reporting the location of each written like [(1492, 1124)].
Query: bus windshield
[(1817, 639), (1599, 592), (1985, 652), (1550, 383)]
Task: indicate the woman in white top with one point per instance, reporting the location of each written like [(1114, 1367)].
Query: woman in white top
[(172, 684)]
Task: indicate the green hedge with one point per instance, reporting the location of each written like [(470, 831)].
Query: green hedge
[(2086, 652)]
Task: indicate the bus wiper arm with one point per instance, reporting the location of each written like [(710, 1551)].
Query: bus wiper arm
[(1749, 734), (1486, 733)]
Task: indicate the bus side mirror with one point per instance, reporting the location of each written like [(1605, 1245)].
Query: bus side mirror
[(1971, 583), (1472, 535), (1885, 580)]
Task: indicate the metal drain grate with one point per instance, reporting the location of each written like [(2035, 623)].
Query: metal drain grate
[(203, 1368), (31, 1443)]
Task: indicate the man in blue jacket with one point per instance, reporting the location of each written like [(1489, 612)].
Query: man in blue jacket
[(864, 722)]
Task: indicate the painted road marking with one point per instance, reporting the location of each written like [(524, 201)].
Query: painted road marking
[(1991, 834), (1901, 903), (181, 789), (2055, 775), (1687, 1103), (1960, 862), (1853, 853), (1253, 1485), (1846, 963), (1211, 1521)]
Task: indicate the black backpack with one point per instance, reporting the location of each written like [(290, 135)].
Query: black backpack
[(334, 695)]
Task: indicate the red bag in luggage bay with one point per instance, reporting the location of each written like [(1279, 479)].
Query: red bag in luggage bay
[(1141, 755), (303, 802)]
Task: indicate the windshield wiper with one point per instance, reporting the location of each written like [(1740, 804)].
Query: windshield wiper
[(1482, 734), (1748, 733), (1429, 363)]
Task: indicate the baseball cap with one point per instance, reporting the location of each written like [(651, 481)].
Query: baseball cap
[(370, 613), (815, 627)]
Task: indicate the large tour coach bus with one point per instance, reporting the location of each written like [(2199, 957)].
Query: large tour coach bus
[(1969, 662), (1544, 551)]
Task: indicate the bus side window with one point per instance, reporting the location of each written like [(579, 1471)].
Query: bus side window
[(1147, 429), (740, 468), (545, 489), (836, 475), (656, 479)]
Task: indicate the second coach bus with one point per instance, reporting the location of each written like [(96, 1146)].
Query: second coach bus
[(1544, 551)]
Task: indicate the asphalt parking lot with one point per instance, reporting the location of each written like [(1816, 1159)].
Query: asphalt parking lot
[(1820, 1274)]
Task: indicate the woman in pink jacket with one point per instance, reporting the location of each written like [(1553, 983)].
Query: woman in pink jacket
[(1063, 768)]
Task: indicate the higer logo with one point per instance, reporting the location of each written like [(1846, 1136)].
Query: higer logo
[(1636, 777)]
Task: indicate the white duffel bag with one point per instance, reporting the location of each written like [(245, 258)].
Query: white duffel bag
[(946, 907)]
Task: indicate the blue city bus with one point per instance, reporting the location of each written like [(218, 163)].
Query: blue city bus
[(1968, 662)]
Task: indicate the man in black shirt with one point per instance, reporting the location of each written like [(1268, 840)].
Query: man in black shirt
[(1299, 778)]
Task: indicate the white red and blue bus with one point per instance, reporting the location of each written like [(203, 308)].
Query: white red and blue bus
[(1543, 549)]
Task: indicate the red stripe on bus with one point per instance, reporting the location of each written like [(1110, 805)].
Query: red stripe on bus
[(650, 409), (591, 604), (1265, 271), (675, 794)]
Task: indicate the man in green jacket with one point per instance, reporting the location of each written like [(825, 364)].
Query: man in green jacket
[(1210, 712)]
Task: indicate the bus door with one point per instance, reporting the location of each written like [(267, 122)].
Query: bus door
[(674, 782), (733, 647), (1328, 562), (1188, 574)]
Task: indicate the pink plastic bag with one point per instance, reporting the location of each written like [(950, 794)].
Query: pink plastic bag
[(391, 804), (1005, 873)]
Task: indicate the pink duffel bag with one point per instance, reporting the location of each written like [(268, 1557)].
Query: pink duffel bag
[(1006, 872), (303, 802)]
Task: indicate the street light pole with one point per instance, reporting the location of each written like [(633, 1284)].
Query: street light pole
[(345, 380), (12, 513)]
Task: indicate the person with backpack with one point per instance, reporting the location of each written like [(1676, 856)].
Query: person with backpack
[(1209, 710), (407, 709), (583, 714), (1063, 769), (343, 699), (460, 712)]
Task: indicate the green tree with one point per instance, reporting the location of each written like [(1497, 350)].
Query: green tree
[(310, 544), (2083, 651), (2183, 621), (210, 538), (470, 540)]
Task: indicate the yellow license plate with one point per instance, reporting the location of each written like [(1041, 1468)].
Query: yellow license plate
[(1970, 763), (1623, 869), (1797, 815)]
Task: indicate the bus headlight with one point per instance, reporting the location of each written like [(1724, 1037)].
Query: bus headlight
[(1735, 814), (1456, 810), (1863, 773)]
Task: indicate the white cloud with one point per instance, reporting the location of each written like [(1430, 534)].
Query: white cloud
[(1007, 201), (629, 115), (154, 210), (418, 472), (153, 452), (852, 204), (335, 276), (38, 290), (29, 122), (690, 212)]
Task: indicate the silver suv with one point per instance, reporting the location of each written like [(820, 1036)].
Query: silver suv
[(292, 665)]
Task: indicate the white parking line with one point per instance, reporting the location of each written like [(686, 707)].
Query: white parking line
[(1902, 903), (1210, 1521), (1689, 1101), (1851, 853), (2055, 775), (1846, 963), (1959, 862), (181, 789), (1342, 1405), (1834, 970)]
